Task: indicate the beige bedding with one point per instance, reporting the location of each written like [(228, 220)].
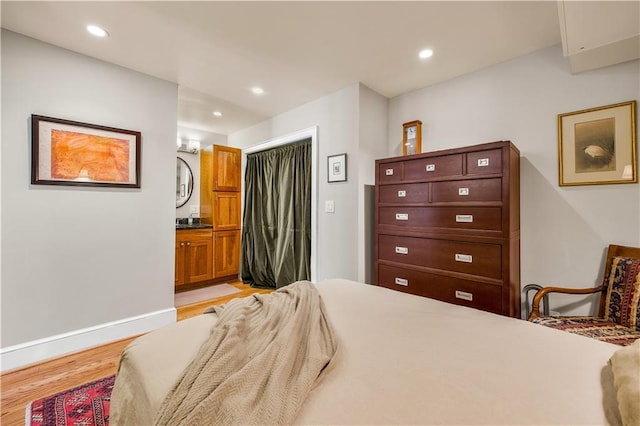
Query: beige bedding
[(625, 365), (410, 360)]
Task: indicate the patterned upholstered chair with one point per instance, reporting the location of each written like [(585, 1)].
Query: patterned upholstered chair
[(618, 319)]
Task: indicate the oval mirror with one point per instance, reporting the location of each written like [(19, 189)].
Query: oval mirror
[(184, 183)]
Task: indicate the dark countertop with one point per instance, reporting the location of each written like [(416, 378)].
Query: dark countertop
[(193, 226)]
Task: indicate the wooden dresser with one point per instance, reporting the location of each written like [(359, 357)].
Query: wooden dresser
[(448, 226)]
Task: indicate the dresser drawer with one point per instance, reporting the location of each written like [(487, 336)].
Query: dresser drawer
[(467, 190), (460, 256), (448, 289), (484, 162), (390, 172), (433, 167), (469, 218), (404, 193)]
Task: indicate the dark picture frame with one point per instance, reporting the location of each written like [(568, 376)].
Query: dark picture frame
[(337, 168), (597, 146), (71, 153)]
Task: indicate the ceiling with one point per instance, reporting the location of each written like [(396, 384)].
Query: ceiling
[(296, 51)]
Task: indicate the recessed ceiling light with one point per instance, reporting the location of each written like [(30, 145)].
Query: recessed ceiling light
[(97, 31), (217, 113), (426, 53), (257, 90)]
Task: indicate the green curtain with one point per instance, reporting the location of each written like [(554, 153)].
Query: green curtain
[(276, 224)]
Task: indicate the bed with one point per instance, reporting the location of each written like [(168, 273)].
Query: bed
[(405, 359)]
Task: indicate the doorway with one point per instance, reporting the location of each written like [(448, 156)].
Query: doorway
[(306, 134)]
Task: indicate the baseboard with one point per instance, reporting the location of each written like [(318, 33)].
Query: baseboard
[(23, 354)]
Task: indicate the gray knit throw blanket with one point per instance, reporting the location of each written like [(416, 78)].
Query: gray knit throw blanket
[(259, 364)]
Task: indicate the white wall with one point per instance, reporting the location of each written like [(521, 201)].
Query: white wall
[(75, 258), (372, 137), (565, 230), (336, 116)]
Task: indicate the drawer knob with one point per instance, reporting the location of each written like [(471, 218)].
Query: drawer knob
[(463, 191), (431, 167), (402, 216), (402, 193), (464, 218), (388, 172), (402, 281), (402, 250), (464, 295), (466, 258), (483, 162)]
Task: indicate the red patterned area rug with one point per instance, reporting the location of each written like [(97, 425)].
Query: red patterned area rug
[(84, 405)]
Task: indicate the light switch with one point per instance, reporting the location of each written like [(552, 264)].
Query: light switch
[(329, 206), (194, 209)]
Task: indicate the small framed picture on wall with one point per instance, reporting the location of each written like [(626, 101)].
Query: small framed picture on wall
[(337, 168)]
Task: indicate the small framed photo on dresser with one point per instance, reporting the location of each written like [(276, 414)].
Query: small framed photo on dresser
[(412, 137)]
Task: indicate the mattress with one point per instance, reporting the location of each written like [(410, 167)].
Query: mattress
[(405, 359)]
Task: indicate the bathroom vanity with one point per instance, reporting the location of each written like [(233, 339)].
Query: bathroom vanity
[(194, 255), (209, 249)]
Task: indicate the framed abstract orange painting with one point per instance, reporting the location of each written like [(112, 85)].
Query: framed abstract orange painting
[(65, 152)]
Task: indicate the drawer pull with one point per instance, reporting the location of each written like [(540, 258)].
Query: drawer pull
[(467, 258), (464, 295), (402, 216), (483, 162), (402, 193), (463, 191), (402, 250), (464, 218), (388, 172), (431, 167), (402, 281)]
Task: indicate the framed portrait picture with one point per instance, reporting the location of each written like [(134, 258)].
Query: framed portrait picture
[(597, 146), (412, 137), (337, 168), (65, 152)]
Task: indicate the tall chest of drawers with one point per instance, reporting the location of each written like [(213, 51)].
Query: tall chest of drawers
[(448, 226)]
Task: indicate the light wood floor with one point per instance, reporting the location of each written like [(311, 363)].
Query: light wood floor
[(21, 386)]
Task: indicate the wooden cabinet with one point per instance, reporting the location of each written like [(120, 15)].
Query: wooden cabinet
[(448, 226), (227, 248), (226, 210), (194, 256), (220, 204), (226, 168)]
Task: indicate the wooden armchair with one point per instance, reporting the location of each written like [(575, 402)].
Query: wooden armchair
[(618, 319)]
